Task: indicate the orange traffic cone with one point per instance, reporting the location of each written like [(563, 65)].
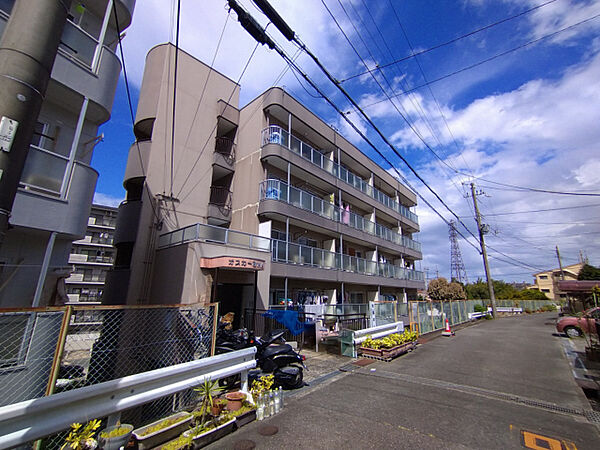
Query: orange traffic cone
[(447, 331)]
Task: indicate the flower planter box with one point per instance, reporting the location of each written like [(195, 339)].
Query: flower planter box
[(387, 353), (116, 442), (151, 440), (245, 418), (211, 436)]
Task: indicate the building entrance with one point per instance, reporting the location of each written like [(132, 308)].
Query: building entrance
[(234, 298)]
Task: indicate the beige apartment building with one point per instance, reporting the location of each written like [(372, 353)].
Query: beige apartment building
[(547, 282), (253, 207)]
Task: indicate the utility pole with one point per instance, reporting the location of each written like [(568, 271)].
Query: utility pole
[(27, 52), (562, 272), (481, 228)]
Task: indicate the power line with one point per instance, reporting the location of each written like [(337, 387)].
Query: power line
[(254, 30), (541, 210), (175, 94), (435, 47), (498, 55), (514, 188), (130, 104)]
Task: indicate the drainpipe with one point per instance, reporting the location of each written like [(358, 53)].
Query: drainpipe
[(27, 52), (44, 270)]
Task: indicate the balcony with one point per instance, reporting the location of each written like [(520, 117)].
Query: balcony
[(278, 190), (291, 253), (208, 233), (89, 259), (277, 135), (224, 157), (219, 206)]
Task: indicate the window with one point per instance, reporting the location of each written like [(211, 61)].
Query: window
[(15, 329), (280, 235), (543, 277), (307, 242), (355, 297), (545, 290)]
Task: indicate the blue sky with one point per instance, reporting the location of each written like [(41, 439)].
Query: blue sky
[(528, 117)]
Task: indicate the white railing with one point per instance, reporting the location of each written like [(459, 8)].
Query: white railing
[(277, 135), (273, 189), (27, 421)]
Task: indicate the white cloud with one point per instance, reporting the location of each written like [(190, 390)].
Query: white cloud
[(106, 200), (201, 25)]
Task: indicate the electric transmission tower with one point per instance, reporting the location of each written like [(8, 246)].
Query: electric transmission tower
[(457, 268)]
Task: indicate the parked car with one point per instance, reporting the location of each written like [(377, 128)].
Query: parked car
[(575, 326)]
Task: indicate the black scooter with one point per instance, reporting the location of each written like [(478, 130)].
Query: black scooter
[(273, 356), (281, 360)]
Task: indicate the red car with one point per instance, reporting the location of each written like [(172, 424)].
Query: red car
[(576, 326)]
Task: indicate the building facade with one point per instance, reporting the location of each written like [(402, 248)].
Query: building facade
[(547, 282), (53, 203), (256, 206), (92, 257)]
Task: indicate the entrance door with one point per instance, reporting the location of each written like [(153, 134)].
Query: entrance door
[(231, 299)]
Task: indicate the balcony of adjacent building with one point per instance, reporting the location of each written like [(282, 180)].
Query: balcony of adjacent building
[(219, 206), (102, 239), (277, 198), (91, 258), (87, 277), (86, 60), (355, 268), (310, 156)]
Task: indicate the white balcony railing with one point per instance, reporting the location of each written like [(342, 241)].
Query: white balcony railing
[(291, 253), (278, 190), (277, 135)]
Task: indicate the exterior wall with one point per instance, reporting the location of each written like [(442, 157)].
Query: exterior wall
[(57, 186), (158, 272), (547, 282)]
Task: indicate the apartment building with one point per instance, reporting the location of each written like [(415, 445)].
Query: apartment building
[(253, 206), (92, 257), (53, 203), (547, 281)]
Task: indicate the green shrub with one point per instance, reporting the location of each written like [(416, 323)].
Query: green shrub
[(479, 308)]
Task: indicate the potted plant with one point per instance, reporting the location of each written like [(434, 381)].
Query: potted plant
[(210, 431), (389, 346), (244, 415), (207, 391), (218, 406), (115, 437), (82, 437), (234, 400), (180, 443), (162, 430)]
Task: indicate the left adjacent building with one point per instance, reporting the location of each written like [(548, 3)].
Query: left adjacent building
[(53, 203)]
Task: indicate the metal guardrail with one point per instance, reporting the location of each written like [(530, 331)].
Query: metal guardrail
[(34, 419)]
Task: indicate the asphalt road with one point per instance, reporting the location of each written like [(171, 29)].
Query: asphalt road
[(496, 385)]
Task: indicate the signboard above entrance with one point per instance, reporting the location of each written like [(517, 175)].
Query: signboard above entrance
[(232, 262)]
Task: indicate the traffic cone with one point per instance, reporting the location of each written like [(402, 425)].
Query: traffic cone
[(447, 331)]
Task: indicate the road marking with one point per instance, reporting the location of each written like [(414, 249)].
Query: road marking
[(540, 442)]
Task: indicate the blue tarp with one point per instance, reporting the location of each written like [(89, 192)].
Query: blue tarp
[(288, 319)]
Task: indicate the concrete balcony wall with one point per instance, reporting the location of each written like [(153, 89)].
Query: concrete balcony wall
[(138, 160), (99, 88), (33, 210), (128, 220)]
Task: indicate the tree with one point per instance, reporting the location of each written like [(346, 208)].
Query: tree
[(478, 290), (531, 294), (438, 289), (589, 272), (455, 291)]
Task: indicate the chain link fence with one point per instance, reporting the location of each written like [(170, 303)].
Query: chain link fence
[(49, 351)]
